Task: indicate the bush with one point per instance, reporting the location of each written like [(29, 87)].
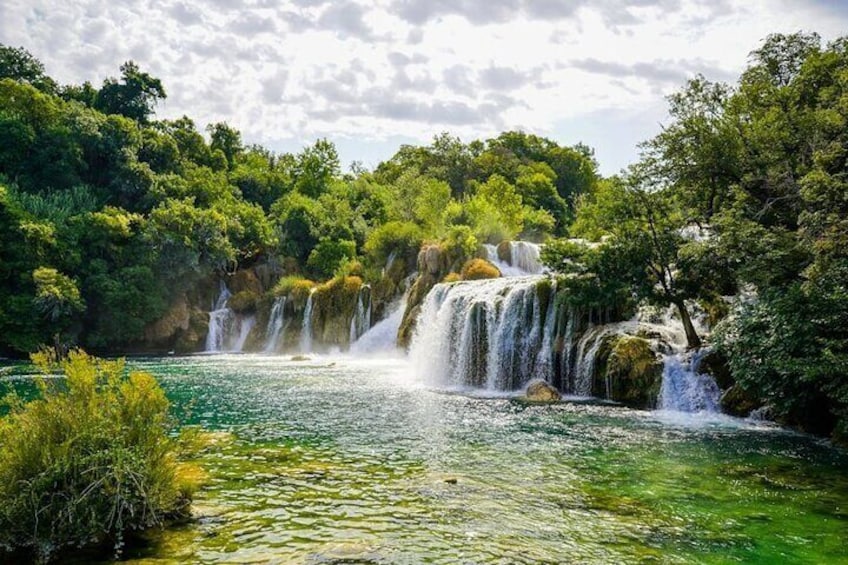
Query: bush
[(476, 269), (296, 287), (401, 238), (452, 277), (329, 254), (89, 461)]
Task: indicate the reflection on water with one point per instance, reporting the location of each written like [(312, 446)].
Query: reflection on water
[(336, 460)]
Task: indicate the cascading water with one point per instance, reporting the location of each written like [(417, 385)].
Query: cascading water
[(684, 389), (485, 334), (227, 330), (361, 320), (243, 326), (306, 328), (220, 321), (382, 337), (276, 325), (523, 259), (498, 334)]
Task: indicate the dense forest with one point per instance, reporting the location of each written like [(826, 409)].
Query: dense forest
[(739, 208)]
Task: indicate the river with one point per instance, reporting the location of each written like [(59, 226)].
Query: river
[(344, 460)]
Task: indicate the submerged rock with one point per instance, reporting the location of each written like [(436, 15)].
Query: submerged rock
[(300, 358), (540, 391)]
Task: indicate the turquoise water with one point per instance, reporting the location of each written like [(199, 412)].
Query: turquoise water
[(348, 461)]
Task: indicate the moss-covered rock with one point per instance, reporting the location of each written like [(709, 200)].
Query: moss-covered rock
[(334, 303), (244, 302), (539, 390), (244, 280), (163, 331), (193, 338), (634, 372), (736, 401), (479, 269), (715, 365)]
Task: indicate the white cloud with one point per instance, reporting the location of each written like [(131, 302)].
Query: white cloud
[(367, 72)]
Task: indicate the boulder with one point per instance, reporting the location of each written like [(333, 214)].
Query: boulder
[(540, 391), (634, 372), (736, 401), (715, 365), (163, 331)]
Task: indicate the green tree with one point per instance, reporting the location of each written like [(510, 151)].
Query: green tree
[(134, 96), (18, 64)]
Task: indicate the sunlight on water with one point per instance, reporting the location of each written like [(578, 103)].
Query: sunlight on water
[(342, 460)]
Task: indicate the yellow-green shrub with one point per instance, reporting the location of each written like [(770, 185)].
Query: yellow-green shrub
[(295, 285), (88, 461), (452, 277), (476, 269)]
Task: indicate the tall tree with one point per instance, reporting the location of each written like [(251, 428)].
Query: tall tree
[(134, 96)]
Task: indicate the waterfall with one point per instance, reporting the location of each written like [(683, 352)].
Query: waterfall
[(485, 334), (243, 327), (523, 259), (306, 328), (684, 389), (276, 325), (220, 321), (382, 337), (227, 330), (498, 334), (360, 322)]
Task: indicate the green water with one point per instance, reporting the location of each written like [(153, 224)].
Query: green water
[(353, 463)]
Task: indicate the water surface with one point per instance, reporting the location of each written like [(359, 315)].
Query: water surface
[(337, 460)]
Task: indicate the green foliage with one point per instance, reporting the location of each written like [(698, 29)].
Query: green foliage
[(87, 462), (56, 296), (292, 284), (329, 255), (403, 238), (19, 64), (134, 96)]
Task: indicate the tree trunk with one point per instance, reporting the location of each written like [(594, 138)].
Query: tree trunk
[(692, 339)]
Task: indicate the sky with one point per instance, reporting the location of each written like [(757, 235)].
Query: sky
[(370, 76)]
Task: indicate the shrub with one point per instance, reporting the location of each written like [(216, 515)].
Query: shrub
[(401, 238), (452, 277), (89, 461), (298, 288), (476, 269), (329, 254)]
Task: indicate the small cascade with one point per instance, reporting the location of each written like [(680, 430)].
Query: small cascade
[(221, 320), (484, 334), (360, 322), (382, 337), (227, 330), (684, 389), (243, 328), (522, 259), (545, 357), (276, 325), (390, 261), (306, 328)]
